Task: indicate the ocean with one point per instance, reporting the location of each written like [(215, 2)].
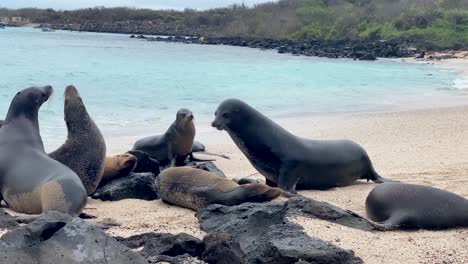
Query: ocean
[(135, 87)]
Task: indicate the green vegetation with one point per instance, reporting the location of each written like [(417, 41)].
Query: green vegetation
[(435, 24)]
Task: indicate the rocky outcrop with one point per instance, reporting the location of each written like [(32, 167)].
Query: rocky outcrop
[(222, 249), (266, 235), (60, 238), (361, 50), (134, 186), (164, 244)]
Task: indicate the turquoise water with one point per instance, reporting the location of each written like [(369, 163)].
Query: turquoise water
[(134, 87)]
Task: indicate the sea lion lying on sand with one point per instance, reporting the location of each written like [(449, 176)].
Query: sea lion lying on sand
[(410, 206), (118, 166), (195, 189)]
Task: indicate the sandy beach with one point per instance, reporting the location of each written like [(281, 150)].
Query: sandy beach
[(428, 147)]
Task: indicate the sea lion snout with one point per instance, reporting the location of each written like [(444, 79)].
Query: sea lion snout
[(217, 124), (71, 91), (46, 91)]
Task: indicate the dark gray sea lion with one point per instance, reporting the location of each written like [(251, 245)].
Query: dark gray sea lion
[(195, 189), (174, 145), (118, 166), (84, 150), (30, 181), (145, 162), (410, 206), (289, 161)]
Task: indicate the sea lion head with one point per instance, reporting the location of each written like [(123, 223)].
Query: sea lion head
[(257, 192), (28, 101), (184, 116), (228, 114), (126, 162), (74, 108)]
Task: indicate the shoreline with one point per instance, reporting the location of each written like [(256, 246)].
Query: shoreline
[(295, 121)]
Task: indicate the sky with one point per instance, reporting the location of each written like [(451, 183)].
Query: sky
[(153, 4)]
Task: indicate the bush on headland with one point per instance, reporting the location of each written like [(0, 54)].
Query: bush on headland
[(430, 24)]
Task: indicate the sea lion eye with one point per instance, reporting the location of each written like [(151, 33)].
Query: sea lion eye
[(226, 115)]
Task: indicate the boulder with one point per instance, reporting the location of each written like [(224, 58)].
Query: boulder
[(324, 211), (265, 234), (59, 238), (164, 244), (134, 186), (7, 221), (222, 249)]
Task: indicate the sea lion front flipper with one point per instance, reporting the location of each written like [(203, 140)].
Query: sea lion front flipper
[(192, 158), (380, 179), (287, 182), (213, 154)]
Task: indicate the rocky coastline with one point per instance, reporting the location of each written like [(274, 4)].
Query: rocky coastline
[(176, 33)]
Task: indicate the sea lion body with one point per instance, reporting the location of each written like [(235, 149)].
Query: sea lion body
[(174, 145), (410, 206), (118, 166), (84, 150), (30, 181), (288, 161), (195, 189)]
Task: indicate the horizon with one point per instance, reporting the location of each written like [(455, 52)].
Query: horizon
[(139, 4)]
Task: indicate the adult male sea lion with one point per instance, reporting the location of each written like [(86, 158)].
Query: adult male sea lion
[(289, 161), (195, 189), (410, 206), (118, 166), (30, 181), (84, 150), (174, 145)]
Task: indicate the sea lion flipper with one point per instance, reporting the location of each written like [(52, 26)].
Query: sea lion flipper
[(213, 154), (380, 179), (287, 182)]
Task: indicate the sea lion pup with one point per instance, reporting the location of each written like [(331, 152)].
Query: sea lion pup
[(173, 146), (287, 160), (145, 162), (30, 181), (410, 206), (195, 189), (84, 150), (118, 166)]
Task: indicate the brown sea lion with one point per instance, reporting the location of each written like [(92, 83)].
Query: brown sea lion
[(30, 181), (84, 150), (288, 161), (195, 189), (118, 166), (173, 146)]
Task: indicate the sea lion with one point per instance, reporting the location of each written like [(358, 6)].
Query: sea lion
[(30, 181), (289, 161), (145, 162), (118, 166), (410, 206), (195, 189), (84, 150), (173, 146)]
